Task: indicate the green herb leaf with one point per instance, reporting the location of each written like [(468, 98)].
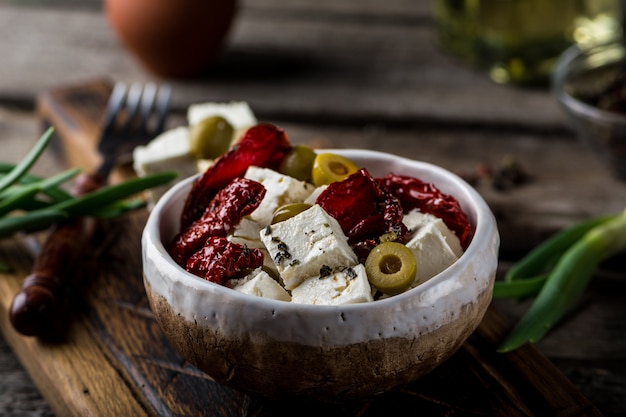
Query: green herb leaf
[(22, 168), (568, 281), (30, 221), (90, 203), (16, 197)]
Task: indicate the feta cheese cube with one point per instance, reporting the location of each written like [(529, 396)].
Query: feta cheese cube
[(416, 219), (260, 284), (344, 286), (304, 244), (238, 113), (169, 151), (432, 252), (247, 229), (280, 190)]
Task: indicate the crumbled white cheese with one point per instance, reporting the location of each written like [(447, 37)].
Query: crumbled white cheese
[(416, 219), (260, 284), (167, 152), (170, 151), (432, 252), (307, 243), (343, 286), (238, 113), (313, 196), (280, 190)]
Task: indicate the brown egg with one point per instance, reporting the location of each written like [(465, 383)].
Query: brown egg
[(172, 38)]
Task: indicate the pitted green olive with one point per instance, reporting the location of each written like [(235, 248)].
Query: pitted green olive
[(211, 137), (288, 211), (329, 167), (391, 267)]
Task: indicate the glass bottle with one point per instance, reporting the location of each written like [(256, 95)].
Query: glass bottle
[(518, 41)]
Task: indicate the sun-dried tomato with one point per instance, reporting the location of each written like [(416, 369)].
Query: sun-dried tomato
[(263, 145), (415, 193), (365, 211), (238, 199), (220, 260)]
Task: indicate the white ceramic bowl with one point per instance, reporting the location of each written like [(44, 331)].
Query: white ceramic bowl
[(280, 349)]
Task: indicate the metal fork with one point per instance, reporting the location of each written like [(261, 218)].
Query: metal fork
[(127, 123), (133, 116)]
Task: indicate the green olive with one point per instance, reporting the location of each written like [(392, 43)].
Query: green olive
[(329, 167), (288, 211), (211, 137), (391, 267), (298, 163)]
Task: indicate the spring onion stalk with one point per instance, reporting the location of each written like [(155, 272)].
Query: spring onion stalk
[(546, 255), (96, 200), (55, 193), (23, 210), (14, 198), (30, 222), (91, 204), (119, 208), (568, 280), (29, 160), (519, 288)]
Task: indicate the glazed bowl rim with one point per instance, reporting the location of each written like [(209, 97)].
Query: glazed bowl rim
[(484, 228)]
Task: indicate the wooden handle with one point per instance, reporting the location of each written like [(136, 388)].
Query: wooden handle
[(76, 113), (36, 305)]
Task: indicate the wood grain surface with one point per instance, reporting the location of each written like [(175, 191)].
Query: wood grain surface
[(113, 349), (349, 73)]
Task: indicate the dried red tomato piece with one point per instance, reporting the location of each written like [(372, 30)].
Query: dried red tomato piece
[(364, 209), (263, 145), (414, 193), (220, 260), (238, 199)]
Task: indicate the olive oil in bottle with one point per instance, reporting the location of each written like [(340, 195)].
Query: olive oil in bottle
[(518, 41)]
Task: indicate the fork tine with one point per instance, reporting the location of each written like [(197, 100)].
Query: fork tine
[(132, 105), (147, 102), (162, 107), (114, 106)]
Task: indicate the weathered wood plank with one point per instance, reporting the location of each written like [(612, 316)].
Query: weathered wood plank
[(435, 146), (114, 349), (288, 63), (345, 73)]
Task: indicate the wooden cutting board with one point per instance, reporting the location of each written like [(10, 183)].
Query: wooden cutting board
[(110, 357)]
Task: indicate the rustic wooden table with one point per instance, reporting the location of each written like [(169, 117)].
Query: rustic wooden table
[(350, 73)]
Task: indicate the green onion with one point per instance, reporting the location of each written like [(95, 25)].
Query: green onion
[(519, 289), (88, 205), (14, 198), (94, 201), (22, 168), (22, 208), (30, 222), (55, 193), (119, 208), (568, 280), (539, 260)]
